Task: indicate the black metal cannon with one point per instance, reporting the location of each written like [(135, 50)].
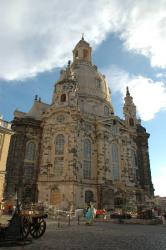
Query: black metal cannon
[(36, 224), (14, 229), (21, 224)]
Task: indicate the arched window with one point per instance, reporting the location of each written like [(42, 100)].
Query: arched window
[(98, 83), (59, 145), (85, 53), (132, 170), (88, 196), (106, 110), (63, 97), (30, 151), (131, 122), (87, 159), (133, 159), (115, 162), (76, 54)]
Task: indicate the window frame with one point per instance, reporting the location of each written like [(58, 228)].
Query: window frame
[(30, 153), (63, 98), (115, 161), (87, 155), (61, 145)]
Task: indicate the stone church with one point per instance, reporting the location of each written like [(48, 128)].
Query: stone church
[(76, 149)]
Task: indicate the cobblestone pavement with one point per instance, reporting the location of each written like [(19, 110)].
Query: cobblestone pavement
[(99, 236)]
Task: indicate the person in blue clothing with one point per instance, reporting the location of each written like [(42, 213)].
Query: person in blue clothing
[(89, 215)]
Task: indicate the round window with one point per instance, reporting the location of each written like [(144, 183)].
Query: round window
[(60, 118)]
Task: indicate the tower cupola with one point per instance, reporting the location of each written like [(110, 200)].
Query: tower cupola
[(82, 52)]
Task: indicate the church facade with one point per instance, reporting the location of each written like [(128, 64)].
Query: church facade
[(76, 150)]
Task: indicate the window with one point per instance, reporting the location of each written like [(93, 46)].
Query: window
[(134, 158), (115, 162), (63, 97), (1, 143), (60, 118), (55, 89), (1, 140), (131, 122), (106, 110), (76, 54), (85, 53), (114, 128), (87, 159), (88, 196), (28, 172), (59, 151), (133, 164), (30, 151), (59, 145), (98, 83), (58, 166)]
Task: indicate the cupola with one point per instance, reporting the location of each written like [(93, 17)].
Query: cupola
[(82, 52)]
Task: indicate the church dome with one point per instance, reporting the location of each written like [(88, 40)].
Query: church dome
[(90, 81), (92, 86)]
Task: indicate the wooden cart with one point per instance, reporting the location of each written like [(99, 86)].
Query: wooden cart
[(21, 224)]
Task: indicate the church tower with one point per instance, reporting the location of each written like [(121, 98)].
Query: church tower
[(129, 110)]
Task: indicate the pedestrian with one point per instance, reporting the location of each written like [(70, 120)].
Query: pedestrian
[(163, 219), (89, 215)]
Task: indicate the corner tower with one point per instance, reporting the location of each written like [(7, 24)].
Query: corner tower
[(129, 109)]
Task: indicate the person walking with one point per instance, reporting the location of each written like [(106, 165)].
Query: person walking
[(163, 219), (89, 215)]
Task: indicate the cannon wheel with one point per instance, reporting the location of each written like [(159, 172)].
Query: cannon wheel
[(24, 228), (37, 227)]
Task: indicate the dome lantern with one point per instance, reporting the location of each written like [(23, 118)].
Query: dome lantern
[(82, 52)]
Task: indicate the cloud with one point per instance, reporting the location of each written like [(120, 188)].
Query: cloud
[(38, 38), (159, 182), (39, 35), (149, 96), (161, 75), (145, 31)]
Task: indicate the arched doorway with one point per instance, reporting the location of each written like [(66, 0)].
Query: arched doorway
[(89, 197)]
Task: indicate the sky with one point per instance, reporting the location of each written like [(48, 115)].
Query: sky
[(128, 40)]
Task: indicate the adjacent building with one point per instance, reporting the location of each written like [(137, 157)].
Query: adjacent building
[(76, 149), (5, 134), (160, 203)]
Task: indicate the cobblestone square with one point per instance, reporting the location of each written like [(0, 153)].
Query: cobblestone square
[(99, 236)]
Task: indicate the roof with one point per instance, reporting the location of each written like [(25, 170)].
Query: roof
[(37, 109), (82, 43), (35, 112)]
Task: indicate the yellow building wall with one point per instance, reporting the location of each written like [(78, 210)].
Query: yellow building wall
[(4, 148)]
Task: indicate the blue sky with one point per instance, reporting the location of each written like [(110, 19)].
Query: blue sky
[(128, 40)]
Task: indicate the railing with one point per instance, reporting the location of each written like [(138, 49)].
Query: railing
[(65, 218), (5, 124)]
